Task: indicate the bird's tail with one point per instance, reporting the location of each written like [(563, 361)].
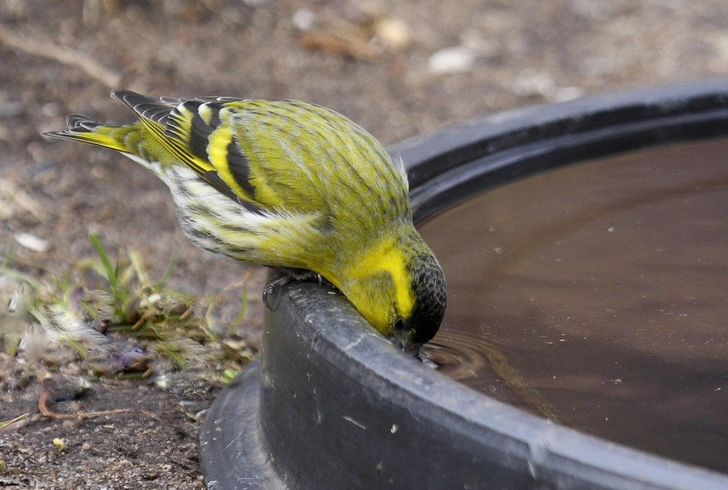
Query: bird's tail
[(81, 128)]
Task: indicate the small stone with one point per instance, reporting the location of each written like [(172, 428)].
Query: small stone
[(32, 242), (304, 19), (458, 59), (562, 94), (394, 32), (529, 83)]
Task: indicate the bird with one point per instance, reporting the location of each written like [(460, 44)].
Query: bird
[(293, 186)]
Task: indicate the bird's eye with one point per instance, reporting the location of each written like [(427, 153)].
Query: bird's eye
[(399, 324)]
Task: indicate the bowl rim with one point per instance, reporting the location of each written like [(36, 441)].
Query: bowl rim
[(455, 163)]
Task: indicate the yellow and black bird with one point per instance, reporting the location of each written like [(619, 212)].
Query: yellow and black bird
[(288, 185)]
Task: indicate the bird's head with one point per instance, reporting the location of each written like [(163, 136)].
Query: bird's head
[(401, 292), (416, 326)]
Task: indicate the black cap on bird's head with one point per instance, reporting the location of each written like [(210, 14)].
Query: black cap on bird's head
[(428, 284)]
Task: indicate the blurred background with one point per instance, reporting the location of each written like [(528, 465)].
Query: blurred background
[(398, 68)]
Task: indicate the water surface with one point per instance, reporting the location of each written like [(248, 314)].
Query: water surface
[(597, 295)]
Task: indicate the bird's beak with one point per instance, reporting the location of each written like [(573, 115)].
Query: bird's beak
[(412, 348), (407, 345)]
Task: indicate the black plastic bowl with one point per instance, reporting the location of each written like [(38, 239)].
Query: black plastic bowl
[(333, 405)]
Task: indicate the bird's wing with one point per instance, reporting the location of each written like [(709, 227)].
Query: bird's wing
[(186, 128), (277, 156)]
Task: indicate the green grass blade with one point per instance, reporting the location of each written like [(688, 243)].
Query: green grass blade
[(108, 268)]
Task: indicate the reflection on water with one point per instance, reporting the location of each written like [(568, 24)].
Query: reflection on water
[(598, 295)]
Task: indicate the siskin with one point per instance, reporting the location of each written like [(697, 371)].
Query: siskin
[(293, 186)]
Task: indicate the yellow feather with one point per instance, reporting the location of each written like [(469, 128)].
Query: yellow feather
[(217, 151)]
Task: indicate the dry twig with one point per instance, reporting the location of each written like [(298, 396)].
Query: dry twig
[(62, 54), (8, 426), (11, 193), (42, 406)]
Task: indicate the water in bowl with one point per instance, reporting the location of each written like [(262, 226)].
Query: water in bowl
[(597, 295)]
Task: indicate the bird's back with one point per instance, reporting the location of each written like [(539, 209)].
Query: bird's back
[(275, 161)]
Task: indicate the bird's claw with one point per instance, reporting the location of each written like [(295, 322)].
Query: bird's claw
[(289, 275)]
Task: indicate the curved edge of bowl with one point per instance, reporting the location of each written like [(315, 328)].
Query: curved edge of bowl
[(457, 162), (231, 451), (341, 407)]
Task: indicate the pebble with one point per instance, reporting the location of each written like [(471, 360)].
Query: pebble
[(394, 32), (458, 59), (32, 242), (304, 19)]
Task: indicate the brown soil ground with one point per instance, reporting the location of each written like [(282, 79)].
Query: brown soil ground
[(368, 60)]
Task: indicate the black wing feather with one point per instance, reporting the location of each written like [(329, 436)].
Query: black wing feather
[(163, 112)]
